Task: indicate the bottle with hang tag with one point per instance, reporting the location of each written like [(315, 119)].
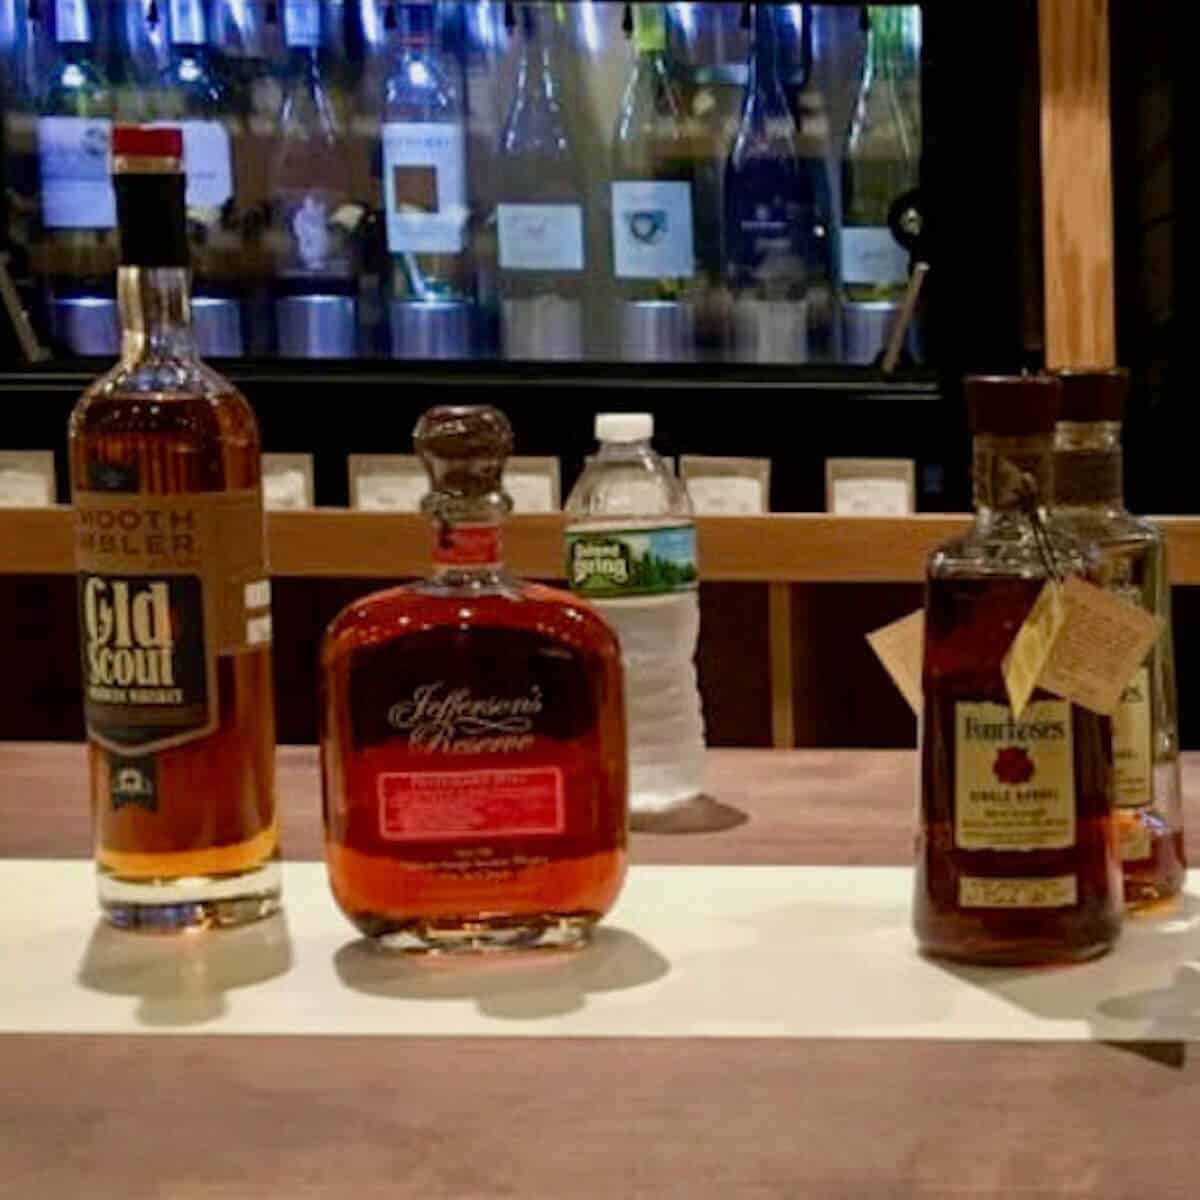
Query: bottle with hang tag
[(1016, 854)]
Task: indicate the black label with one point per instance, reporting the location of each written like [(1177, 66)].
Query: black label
[(145, 677), (112, 477), (133, 781), (474, 691)]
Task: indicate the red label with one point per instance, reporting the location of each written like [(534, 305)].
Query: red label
[(420, 806), (466, 545)]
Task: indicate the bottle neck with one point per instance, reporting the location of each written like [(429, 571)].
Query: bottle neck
[(649, 31), (156, 313), (72, 23), (187, 23), (1089, 466), (468, 538), (536, 77), (417, 28), (764, 84), (1012, 474)]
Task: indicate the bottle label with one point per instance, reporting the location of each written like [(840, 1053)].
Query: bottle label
[(416, 806), (1014, 780), (318, 241), (1136, 843), (870, 254), (612, 563), (425, 187), (166, 584), (1132, 757), (208, 161), (133, 782), (540, 237), (652, 230), (302, 24), (77, 189), (466, 545), (1055, 891)]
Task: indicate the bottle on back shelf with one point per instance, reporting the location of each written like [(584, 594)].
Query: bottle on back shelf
[(314, 223), (143, 52), (766, 198), (653, 234), (540, 214), (631, 551), (77, 254), (474, 759), (1089, 499), (425, 193), (1016, 854), (880, 164), (174, 612)]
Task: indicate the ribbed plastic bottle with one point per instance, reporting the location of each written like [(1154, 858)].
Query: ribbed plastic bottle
[(631, 551)]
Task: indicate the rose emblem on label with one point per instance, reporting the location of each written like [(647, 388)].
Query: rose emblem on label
[(1013, 765)]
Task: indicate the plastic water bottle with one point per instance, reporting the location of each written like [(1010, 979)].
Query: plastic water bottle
[(631, 551)]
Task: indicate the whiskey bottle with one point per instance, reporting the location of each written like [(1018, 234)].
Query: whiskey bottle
[(1088, 489), (1016, 853), (174, 602), (474, 761)]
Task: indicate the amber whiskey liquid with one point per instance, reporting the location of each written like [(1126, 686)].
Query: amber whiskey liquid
[(174, 610)]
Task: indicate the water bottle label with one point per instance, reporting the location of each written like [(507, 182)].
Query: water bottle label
[(208, 161), (77, 190), (425, 186), (652, 230), (612, 563), (540, 237), (870, 254)]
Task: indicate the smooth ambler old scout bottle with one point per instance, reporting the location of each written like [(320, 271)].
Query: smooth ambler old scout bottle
[(174, 598), (1016, 851)]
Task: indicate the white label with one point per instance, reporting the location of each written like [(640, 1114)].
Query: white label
[(652, 230), (425, 187), (726, 495), (284, 490), (258, 631), (208, 162), (302, 23), (870, 254), (24, 489), (530, 493), (1132, 728), (871, 497), (541, 237), (77, 190), (1014, 780), (1055, 891), (391, 493), (258, 594)]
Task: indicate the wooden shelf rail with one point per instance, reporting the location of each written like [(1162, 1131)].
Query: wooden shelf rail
[(780, 548)]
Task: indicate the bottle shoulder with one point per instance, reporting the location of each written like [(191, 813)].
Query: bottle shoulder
[(1010, 550), (1110, 527), (423, 608)]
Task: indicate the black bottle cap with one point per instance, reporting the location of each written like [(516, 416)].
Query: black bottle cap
[(1093, 394), (464, 449), (1013, 405), (151, 188)]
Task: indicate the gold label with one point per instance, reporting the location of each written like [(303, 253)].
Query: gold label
[(1058, 891), (163, 592), (1136, 844), (1131, 744), (1014, 780)]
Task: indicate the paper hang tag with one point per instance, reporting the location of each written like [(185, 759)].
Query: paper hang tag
[(900, 646), (1081, 643)]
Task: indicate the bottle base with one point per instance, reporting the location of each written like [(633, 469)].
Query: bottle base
[(171, 905), (484, 935), (1015, 954)]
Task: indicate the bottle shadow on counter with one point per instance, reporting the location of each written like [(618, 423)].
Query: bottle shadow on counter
[(1144, 991), (515, 985), (184, 980), (701, 814)]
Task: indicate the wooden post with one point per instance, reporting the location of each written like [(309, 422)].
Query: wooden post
[(1077, 186)]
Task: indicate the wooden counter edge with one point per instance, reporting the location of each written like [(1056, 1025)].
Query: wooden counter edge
[(779, 548)]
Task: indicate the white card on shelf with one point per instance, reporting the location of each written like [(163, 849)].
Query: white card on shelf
[(287, 481), (387, 482), (727, 487), (534, 484), (27, 479), (870, 487)]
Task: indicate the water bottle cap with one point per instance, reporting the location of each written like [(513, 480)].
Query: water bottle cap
[(624, 427)]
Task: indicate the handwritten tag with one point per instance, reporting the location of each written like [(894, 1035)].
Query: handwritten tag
[(1081, 643), (900, 646)]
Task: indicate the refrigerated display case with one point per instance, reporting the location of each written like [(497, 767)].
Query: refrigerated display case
[(707, 209)]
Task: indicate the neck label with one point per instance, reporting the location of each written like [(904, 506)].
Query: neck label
[(466, 545), (1087, 476)]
